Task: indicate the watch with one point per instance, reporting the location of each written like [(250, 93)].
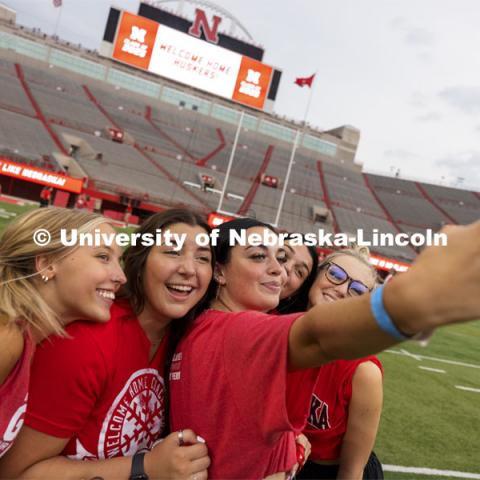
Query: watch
[(138, 470)]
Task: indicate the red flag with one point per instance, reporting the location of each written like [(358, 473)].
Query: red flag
[(304, 81), (57, 3)]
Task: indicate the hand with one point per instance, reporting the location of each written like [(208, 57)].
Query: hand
[(169, 460), (304, 448), (302, 441), (442, 286)]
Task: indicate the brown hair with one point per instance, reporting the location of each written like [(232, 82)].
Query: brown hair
[(135, 256), (135, 260)]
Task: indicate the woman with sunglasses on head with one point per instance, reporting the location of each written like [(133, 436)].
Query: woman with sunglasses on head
[(99, 395), (235, 362), (42, 290), (347, 400)]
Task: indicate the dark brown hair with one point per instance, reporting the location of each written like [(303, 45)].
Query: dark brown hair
[(298, 300), (135, 256), (135, 260)]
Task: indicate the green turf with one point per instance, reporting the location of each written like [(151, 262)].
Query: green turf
[(9, 211), (426, 421), (413, 476)]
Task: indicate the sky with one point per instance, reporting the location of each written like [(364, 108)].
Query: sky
[(406, 73)]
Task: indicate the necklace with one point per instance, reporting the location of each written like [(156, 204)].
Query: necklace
[(223, 304)]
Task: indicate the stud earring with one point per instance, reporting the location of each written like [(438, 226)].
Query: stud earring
[(45, 278)]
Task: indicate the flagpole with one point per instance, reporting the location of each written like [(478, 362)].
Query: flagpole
[(299, 135), (57, 23), (309, 102)]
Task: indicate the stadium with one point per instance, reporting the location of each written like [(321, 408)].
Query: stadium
[(172, 111)]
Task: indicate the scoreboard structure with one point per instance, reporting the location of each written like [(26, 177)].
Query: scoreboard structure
[(191, 53)]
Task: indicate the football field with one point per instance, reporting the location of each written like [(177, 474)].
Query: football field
[(431, 418), (11, 207)]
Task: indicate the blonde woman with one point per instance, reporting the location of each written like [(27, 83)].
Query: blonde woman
[(42, 289), (347, 399)]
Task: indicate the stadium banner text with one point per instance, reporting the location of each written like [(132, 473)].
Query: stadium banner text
[(162, 50), (38, 175)]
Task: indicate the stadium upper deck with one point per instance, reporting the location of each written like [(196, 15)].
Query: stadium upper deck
[(174, 135)]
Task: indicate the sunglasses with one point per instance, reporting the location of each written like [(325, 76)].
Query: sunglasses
[(338, 276)]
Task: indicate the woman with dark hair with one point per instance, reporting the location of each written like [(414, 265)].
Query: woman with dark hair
[(301, 266), (100, 393), (231, 377)]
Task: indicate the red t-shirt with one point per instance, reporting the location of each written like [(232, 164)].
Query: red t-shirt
[(327, 421), (13, 397), (99, 388), (229, 383)]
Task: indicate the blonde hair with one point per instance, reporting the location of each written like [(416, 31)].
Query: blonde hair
[(362, 254), (19, 296)]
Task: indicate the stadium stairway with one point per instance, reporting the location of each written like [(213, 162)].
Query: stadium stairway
[(326, 197), (38, 110), (245, 206), (201, 162), (95, 102), (433, 203)]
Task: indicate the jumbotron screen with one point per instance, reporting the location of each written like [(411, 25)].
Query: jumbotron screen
[(162, 50)]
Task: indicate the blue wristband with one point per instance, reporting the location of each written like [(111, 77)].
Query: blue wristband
[(382, 317)]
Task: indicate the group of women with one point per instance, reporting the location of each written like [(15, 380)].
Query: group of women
[(242, 351)]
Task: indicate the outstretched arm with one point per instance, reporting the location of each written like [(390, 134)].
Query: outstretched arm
[(423, 298)]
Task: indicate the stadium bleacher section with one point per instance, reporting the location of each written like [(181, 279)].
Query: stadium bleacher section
[(168, 145)]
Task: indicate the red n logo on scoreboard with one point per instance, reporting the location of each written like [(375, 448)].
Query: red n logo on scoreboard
[(201, 23)]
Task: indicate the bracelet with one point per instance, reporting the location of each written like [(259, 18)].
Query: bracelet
[(138, 469), (383, 319)]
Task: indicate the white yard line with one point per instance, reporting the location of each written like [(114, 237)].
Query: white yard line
[(430, 471), (433, 359), (428, 369), (418, 358), (468, 389)]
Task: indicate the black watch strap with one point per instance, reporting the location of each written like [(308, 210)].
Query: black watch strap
[(138, 470)]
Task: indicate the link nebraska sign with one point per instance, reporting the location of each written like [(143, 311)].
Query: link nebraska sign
[(162, 50), (37, 175)]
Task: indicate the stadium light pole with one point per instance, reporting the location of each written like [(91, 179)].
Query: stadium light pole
[(59, 5), (230, 161), (287, 178)]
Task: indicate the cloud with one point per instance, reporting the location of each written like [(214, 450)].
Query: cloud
[(418, 100), (429, 117), (415, 36), (464, 98), (398, 22), (463, 167), (418, 36), (399, 153)]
